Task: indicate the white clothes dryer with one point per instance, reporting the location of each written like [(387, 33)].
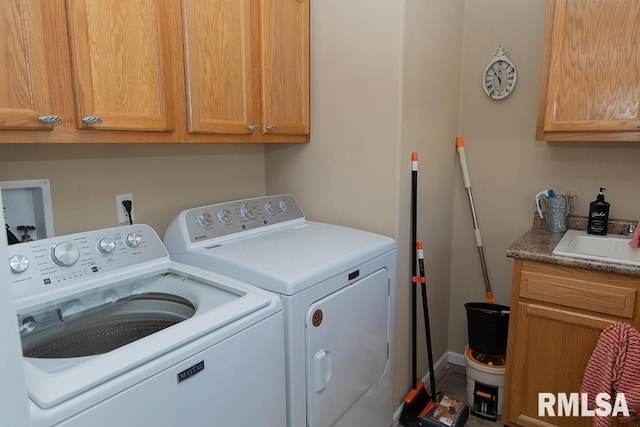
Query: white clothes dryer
[(115, 333), (337, 285)]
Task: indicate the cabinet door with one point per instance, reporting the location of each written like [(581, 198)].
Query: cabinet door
[(219, 68), (591, 71), (285, 66), (552, 349), (122, 76), (25, 100)]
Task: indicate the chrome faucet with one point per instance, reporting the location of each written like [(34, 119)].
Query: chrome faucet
[(631, 230)]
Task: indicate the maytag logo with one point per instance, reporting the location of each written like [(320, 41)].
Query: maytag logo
[(188, 373)]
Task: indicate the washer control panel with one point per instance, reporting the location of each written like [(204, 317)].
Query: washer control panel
[(223, 219), (44, 264)]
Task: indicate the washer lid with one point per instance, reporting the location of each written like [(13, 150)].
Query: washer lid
[(292, 259)]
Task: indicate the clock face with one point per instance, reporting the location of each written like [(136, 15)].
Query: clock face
[(499, 79)]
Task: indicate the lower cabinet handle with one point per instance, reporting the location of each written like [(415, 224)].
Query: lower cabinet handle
[(254, 128), (271, 128)]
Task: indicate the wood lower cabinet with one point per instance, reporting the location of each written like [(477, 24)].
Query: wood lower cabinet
[(557, 314), (590, 78)]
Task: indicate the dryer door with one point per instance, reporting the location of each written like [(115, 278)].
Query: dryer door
[(346, 345)]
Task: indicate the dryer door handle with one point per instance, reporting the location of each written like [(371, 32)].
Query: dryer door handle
[(322, 368)]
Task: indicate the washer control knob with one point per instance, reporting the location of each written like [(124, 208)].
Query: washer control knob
[(106, 245), (205, 219), (224, 215), (283, 205), (18, 263), (250, 210), (133, 239), (271, 206), (65, 254)]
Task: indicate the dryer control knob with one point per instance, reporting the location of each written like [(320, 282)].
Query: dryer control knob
[(133, 239), (65, 254), (283, 205), (205, 220), (106, 245), (18, 263)]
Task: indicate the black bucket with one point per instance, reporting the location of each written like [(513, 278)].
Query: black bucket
[(488, 326)]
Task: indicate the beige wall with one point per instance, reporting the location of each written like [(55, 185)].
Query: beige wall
[(433, 43), (384, 84), (164, 179), (497, 135)]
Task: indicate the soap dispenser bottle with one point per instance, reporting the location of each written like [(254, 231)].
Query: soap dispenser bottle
[(598, 215)]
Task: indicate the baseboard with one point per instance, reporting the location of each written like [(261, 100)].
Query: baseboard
[(448, 357), (457, 359)]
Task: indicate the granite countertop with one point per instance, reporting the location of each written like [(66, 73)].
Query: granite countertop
[(537, 244)]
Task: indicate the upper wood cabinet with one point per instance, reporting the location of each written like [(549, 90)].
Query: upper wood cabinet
[(155, 71), (106, 62), (284, 59), (25, 100), (220, 66), (121, 64), (247, 69), (590, 82)]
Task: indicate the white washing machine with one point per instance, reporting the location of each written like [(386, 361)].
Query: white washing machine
[(115, 333), (338, 289), (13, 391)]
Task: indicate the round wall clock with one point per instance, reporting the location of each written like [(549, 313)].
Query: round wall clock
[(499, 78)]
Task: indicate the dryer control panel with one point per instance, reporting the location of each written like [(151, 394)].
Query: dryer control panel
[(57, 262), (224, 219)]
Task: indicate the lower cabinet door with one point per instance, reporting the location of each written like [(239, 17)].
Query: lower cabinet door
[(551, 351)]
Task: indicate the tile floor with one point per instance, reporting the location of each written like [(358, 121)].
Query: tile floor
[(452, 380)]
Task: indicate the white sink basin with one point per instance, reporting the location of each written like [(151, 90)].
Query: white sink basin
[(611, 248)]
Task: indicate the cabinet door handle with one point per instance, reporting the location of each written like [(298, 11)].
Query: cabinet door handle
[(49, 118), (638, 125), (91, 120), (271, 128), (254, 128)]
